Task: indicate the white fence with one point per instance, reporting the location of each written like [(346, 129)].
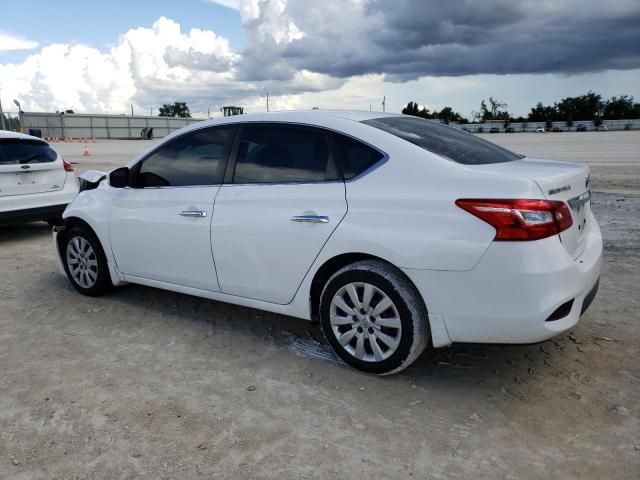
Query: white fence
[(77, 125), (633, 124)]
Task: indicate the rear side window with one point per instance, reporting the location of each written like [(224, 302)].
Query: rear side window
[(443, 140), (18, 151), (355, 157), (193, 159), (281, 154)]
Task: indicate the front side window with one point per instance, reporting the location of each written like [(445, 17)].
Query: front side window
[(443, 140), (193, 159), (280, 154), (16, 151)]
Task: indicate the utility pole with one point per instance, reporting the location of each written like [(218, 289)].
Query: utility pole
[(267, 101), (151, 112), (132, 109), (384, 103), (208, 113)]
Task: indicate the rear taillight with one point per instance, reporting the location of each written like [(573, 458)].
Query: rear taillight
[(67, 165), (519, 220)]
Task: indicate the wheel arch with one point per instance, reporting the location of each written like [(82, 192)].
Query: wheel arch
[(74, 221), (332, 265), (69, 223)]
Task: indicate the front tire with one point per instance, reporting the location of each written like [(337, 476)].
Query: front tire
[(85, 262), (373, 317)]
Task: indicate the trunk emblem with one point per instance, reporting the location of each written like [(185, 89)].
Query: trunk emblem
[(25, 167), (565, 188)]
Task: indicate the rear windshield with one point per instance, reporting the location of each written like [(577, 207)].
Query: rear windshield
[(452, 143), (15, 151)]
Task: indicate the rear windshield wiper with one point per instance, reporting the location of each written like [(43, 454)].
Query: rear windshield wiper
[(29, 158)]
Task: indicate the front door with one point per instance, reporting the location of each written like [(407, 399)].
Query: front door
[(161, 224), (285, 200)]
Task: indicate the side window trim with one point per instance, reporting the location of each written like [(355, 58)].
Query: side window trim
[(233, 158), (135, 169)]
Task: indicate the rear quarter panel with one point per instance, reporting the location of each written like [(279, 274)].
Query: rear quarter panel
[(405, 212)]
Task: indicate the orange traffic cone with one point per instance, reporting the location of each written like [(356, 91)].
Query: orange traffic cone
[(86, 151)]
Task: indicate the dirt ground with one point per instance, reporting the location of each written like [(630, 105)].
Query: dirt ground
[(150, 384)]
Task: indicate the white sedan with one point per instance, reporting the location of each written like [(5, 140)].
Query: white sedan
[(35, 182), (397, 233)]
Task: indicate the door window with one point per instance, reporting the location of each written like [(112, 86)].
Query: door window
[(197, 158), (281, 154)]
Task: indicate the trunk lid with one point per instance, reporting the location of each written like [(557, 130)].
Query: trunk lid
[(29, 166), (558, 180)]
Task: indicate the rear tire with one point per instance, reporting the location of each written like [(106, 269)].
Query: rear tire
[(85, 262), (373, 317)]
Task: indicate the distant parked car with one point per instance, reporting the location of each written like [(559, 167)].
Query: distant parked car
[(494, 130), (466, 129), (509, 130), (540, 130), (35, 182), (603, 128), (581, 128), (557, 129)]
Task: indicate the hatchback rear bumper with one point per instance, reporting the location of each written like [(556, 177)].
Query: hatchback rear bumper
[(32, 214), (514, 289), (38, 206)]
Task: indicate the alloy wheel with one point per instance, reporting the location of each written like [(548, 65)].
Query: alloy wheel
[(82, 262), (365, 321)]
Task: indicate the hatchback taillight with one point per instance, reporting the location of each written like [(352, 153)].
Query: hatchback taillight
[(519, 220), (67, 165)]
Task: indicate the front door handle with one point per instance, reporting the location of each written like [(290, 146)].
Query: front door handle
[(193, 213), (310, 218)]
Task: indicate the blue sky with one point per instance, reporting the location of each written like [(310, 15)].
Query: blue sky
[(93, 24)]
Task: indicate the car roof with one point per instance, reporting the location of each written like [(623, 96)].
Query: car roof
[(8, 134), (309, 117)]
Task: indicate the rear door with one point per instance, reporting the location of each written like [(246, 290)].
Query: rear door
[(285, 198), (29, 166)]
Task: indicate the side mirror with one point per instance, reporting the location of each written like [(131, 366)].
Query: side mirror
[(119, 178)]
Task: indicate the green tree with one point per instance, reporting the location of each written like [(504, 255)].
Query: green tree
[(618, 108), (583, 107), (412, 108), (496, 110), (542, 113), (178, 109)]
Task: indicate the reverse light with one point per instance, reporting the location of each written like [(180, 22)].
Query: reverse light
[(520, 220), (67, 166)]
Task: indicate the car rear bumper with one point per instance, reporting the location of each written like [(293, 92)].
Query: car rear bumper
[(509, 296), (32, 214), (37, 206)]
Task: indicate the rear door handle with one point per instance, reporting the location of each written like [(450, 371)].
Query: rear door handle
[(310, 218), (193, 213)]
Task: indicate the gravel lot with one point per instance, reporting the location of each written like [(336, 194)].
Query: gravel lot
[(152, 384)]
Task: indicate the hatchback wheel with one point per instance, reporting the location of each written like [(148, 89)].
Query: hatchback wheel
[(85, 262), (373, 317)]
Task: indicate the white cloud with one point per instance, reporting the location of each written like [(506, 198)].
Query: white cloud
[(331, 54), (11, 42)]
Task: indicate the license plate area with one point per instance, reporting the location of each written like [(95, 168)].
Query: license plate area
[(25, 178), (580, 207)]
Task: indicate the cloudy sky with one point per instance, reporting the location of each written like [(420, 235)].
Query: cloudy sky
[(306, 53)]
